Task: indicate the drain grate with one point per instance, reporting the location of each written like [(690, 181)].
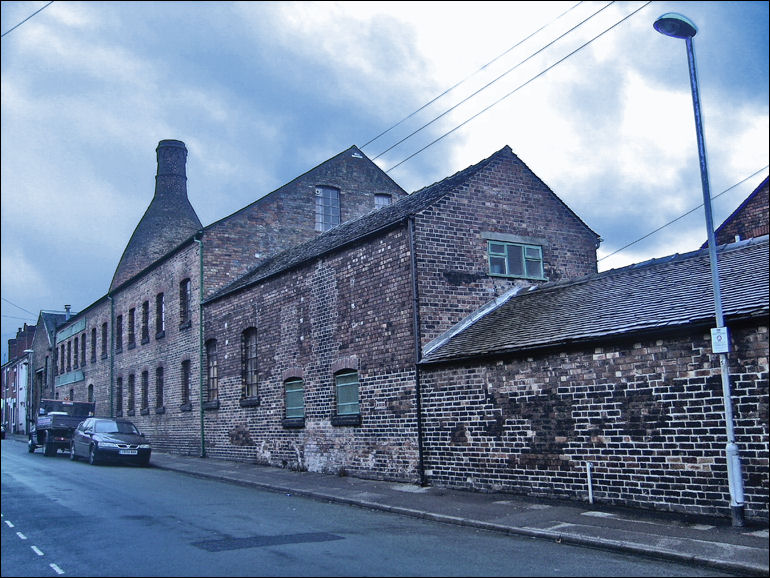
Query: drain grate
[(262, 541)]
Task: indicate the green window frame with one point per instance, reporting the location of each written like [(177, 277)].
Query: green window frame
[(515, 260), (294, 398), (346, 383)]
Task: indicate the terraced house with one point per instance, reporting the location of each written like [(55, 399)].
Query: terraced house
[(459, 335)]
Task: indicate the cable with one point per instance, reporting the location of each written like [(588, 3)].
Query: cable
[(14, 304), (498, 101), (27, 18), (495, 80), (683, 216), (448, 90)]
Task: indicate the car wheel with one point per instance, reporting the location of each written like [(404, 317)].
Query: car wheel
[(92, 456), (73, 457)]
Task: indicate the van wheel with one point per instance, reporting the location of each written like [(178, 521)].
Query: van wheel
[(31, 447), (49, 449), (73, 457)]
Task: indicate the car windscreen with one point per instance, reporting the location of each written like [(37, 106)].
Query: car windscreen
[(115, 427)]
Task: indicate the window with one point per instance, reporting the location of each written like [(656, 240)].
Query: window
[(212, 377), (91, 392), (69, 355), (104, 340), (347, 392), (131, 334), (158, 388), (72, 395), (119, 397), (131, 394), (93, 345), (145, 392), (382, 200), (160, 316), (249, 363), (119, 333), (327, 208), (77, 352), (62, 358), (184, 303), (83, 350), (146, 322), (515, 260), (185, 382), (295, 398)]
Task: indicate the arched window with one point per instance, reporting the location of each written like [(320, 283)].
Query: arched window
[(91, 392), (212, 374), (346, 383), (249, 363), (294, 391)]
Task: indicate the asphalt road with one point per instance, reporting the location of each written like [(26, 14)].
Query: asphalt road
[(69, 518)]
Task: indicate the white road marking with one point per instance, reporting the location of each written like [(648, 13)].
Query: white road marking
[(56, 569), (37, 551), (8, 523), (20, 535)]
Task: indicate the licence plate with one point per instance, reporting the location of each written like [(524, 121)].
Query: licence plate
[(128, 452)]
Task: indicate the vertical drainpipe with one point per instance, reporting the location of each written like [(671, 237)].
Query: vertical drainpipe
[(112, 354), (417, 351), (198, 240)]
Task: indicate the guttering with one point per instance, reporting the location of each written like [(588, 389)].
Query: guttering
[(416, 331), (198, 239)]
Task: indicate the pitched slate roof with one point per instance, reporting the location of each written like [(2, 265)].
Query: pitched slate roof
[(669, 292), (357, 229)]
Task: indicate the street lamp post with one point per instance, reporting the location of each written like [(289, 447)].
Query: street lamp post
[(678, 26)]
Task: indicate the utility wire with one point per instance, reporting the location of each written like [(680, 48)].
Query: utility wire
[(495, 80), (27, 18), (499, 100), (450, 89), (14, 304), (682, 216)]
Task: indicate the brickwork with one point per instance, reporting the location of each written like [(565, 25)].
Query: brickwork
[(505, 201), (286, 217), (749, 220), (335, 313), (647, 415)]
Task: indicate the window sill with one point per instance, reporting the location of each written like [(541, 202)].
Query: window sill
[(160, 410), (160, 335), (185, 407), (132, 345), (214, 404), (104, 356), (346, 420), (504, 276), (249, 402), (131, 412), (118, 414), (293, 422), (186, 325), (144, 411), (145, 340)]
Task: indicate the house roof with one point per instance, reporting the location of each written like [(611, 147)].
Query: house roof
[(350, 231), (661, 293)]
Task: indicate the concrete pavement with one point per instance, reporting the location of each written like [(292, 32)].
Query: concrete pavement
[(707, 542)]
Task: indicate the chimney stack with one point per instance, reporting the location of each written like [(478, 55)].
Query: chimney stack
[(171, 178), (67, 314)]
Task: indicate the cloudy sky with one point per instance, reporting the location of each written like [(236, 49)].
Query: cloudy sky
[(598, 107)]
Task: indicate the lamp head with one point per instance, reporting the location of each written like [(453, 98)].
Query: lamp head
[(675, 25)]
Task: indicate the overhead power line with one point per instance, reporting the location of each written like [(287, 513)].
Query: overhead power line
[(680, 217), (490, 83), (499, 100), (451, 88), (17, 306), (27, 18)]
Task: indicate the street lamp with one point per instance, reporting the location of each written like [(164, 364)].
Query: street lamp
[(678, 26)]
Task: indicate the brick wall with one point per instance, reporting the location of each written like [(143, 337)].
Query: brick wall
[(286, 217), (648, 416), (347, 310), (749, 220), (504, 201)]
